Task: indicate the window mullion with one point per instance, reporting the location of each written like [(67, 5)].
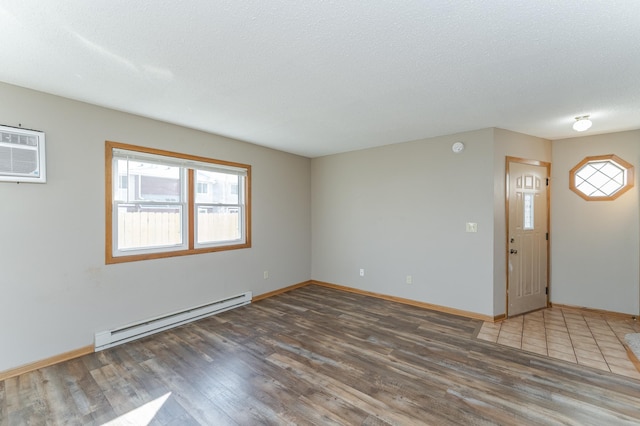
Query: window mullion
[(191, 198)]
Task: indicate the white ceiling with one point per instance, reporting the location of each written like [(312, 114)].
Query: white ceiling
[(317, 77)]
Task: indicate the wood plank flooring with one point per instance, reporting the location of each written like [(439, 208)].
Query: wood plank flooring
[(319, 356)]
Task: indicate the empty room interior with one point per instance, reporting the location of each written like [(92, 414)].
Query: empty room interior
[(419, 212)]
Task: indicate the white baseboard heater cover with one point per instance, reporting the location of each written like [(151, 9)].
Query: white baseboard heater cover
[(127, 333)]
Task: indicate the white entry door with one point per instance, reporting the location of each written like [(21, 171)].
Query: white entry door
[(528, 233)]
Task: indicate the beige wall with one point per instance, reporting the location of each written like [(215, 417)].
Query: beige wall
[(56, 289), (595, 244)]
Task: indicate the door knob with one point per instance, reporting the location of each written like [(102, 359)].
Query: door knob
[(513, 251)]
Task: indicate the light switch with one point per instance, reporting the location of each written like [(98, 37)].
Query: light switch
[(472, 227)]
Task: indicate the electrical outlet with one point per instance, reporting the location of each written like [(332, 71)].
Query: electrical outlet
[(409, 279), (472, 227), (265, 275), (362, 272)]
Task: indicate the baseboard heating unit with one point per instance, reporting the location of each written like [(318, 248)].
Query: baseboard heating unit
[(110, 338)]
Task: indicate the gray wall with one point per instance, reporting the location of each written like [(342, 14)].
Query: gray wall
[(56, 289), (401, 210), (595, 244)]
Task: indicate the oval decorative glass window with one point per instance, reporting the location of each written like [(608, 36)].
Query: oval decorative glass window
[(601, 178)]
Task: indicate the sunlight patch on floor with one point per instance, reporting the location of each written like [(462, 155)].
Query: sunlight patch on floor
[(141, 415)]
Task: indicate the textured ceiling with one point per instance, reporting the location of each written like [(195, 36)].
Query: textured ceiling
[(318, 77)]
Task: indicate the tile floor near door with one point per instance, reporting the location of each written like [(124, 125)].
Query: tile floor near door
[(573, 335)]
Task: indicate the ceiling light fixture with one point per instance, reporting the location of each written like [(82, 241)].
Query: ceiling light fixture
[(582, 123)]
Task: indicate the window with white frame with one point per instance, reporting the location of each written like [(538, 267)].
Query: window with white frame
[(169, 204)]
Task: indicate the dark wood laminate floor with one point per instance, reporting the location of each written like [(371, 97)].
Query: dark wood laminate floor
[(319, 356)]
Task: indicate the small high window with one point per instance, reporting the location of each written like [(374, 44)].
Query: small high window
[(601, 178)]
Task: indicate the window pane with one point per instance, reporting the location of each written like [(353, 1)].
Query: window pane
[(587, 189), (140, 181), (528, 211), (217, 188), (217, 224), (203, 188), (585, 172), (611, 169), (610, 187), (147, 226), (600, 178)]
